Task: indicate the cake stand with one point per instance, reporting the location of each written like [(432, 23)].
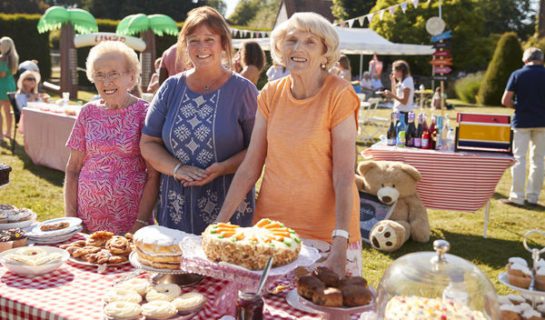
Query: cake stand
[(179, 277), (328, 313), (536, 295), (239, 278)]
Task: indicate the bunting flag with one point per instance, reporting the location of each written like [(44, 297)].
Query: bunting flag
[(390, 9)]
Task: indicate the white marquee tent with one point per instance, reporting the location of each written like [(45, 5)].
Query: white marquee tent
[(360, 41)]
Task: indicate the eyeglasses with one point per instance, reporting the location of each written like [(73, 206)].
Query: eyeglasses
[(112, 76), (29, 79)]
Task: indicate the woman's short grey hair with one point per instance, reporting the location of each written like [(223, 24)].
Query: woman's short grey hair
[(106, 47), (532, 54), (308, 22)]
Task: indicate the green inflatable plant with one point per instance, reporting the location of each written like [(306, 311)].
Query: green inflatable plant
[(137, 23), (55, 17), (507, 58)]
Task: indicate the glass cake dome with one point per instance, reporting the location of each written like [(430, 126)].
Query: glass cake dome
[(435, 285)]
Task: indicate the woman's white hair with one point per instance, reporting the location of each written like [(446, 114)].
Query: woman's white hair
[(308, 22), (26, 74), (107, 47)]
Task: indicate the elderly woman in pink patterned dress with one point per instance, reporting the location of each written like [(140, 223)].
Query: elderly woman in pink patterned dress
[(108, 184)]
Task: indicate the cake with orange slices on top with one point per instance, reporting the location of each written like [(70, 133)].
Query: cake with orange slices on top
[(251, 247)]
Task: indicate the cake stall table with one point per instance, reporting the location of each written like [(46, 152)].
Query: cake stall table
[(74, 292)]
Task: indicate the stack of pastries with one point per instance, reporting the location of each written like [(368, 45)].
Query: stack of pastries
[(159, 247), (516, 307), (518, 273), (101, 247), (137, 297), (251, 247), (323, 287)]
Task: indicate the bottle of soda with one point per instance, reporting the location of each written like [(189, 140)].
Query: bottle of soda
[(391, 134), (411, 131), (401, 131), (433, 133), (425, 139), (419, 130), (438, 135)]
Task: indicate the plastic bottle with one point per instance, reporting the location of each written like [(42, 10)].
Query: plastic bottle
[(450, 140), (456, 289), (401, 130)]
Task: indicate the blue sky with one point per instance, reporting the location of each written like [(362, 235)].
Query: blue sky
[(231, 4)]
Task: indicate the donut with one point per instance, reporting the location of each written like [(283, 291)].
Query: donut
[(159, 309), (354, 295), (307, 286), (330, 297), (137, 284), (99, 238), (328, 277), (122, 294), (164, 291), (189, 301), (122, 310), (119, 245)]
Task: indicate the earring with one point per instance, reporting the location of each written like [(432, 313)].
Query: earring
[(322, 66)]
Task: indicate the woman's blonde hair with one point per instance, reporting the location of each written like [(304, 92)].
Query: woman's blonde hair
[(107, 47), (308, 22), (8, 49), (25, 75), (212, 19)]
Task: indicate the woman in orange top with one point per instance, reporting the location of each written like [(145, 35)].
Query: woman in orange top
[(304, 135)]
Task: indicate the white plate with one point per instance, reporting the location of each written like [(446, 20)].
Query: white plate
[(503, 279), (57, 239), (21, 224), (85, 263), (32, 271), (74, 223), (192, 248), (292, 298)]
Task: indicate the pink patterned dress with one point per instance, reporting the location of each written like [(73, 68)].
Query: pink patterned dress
[(112, 178)]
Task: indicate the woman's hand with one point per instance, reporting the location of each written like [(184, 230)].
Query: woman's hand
[(336, 261), (392, 77), (389, 94), (212, 172), (136, 226), (188, 174)]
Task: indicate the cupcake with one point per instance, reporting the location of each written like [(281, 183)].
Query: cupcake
[(516, 260), (5, 241), (18, 237), (509, 312), (515, 299), (540, 279), (519, 276), (531, 314)]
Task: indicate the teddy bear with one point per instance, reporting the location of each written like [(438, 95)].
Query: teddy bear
[(393, 181)]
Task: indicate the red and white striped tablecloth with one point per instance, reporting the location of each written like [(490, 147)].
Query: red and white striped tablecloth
[(458, 181)]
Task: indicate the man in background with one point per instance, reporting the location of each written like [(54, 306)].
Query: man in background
[(525, 92)]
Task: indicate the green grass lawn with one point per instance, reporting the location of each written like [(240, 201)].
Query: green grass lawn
[(40, 189)]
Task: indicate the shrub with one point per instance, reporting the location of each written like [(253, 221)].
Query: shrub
[(466, 88), (506, 59)]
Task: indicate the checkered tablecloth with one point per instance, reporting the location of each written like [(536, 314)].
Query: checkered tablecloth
[(74, 292)]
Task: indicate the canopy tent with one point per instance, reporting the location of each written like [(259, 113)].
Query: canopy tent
[(360, 41)]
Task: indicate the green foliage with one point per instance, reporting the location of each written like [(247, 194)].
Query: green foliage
[(265, 17), (245, 11), (22, 6), (466, 88), (347, 9), (118, 9), (29, 43), (218, 5), (507, 58), (474, 24)]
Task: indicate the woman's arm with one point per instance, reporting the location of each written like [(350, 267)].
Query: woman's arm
[(154, 152), (344, 155), (73, 168), (218, 169), (249, 170), (149, 197), (251, 73)]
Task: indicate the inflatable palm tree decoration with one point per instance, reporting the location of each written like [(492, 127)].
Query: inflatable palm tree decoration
[(148, 27), (68, 20)]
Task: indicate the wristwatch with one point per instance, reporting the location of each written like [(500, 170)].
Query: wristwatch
[(340, 233)]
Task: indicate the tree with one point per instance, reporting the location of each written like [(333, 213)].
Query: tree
[(265, 17), (218, 5), (117, 9), (22, 6), (245, 11), (507, 58), (347, 9), (541, 19)]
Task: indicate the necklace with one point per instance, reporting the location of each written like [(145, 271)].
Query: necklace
[(212, 84)]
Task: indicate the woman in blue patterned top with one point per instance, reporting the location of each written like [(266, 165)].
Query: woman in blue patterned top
[(198, 128)]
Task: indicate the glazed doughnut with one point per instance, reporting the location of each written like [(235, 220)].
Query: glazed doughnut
[(189, 301), (99, 238), (137, 284), (159, 309), (122, 294), (118, 245), (122, 310), (164, 291)]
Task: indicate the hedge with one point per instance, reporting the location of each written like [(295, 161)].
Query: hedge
[(29, 43)]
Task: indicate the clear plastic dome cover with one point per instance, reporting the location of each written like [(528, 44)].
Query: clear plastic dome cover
[(435, 285)]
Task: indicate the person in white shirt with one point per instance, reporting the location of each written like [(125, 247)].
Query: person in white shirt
[(402, 88), (276, 71)]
